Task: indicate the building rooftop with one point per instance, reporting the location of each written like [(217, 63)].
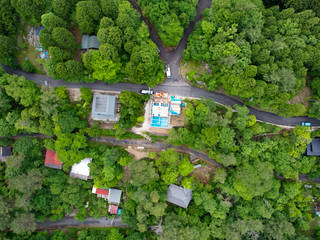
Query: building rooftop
[(89, 42), (113, 209), (81, 170), (51, 160), (179, 196), (114, 196), (5, 152), (103, 107), (313, 148)]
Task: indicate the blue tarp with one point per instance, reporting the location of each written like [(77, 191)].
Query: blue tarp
[(38, 31)]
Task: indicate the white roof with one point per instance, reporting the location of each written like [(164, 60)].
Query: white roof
[(176, 108), (160, 110), (94, 189), (82, 167)]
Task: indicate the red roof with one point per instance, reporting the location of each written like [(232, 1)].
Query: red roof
[(102, 191), (52, 158), (113, 209)]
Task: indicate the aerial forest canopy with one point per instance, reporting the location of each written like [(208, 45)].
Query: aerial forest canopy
[(169, 17), (263, 55), (126, 53)]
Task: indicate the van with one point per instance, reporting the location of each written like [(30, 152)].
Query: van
[(146, 91), (168, 71)]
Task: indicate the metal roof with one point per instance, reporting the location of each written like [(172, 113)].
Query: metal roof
[(114, 196), (313, 148), (88, 42), (103, 107), (179, 196), (5, 151), (81, 170)]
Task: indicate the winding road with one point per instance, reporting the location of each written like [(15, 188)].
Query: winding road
[(175, 85)]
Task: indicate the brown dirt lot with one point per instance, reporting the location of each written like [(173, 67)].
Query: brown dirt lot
[(78, 36), (137, 154), (203, 173), (302, 97), (177, 121), (74, 94)]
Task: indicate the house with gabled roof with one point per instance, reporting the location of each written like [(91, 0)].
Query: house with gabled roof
[(81, 170), (313, 148), (51, 160), (112, 195), (5, 152), (179, 196), (103, 107), (89, 42)]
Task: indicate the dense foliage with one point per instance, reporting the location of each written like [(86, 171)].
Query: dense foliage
[(261, 55), (245, 199), (169, 17), (125, 54)]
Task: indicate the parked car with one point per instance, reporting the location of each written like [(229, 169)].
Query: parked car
[(146, 91), (168, 71), (307, 124)]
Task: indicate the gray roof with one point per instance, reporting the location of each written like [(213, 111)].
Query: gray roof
[(114, 196), (179, 196), (88, 42), (103, 107), (5, 151), (313, 148)]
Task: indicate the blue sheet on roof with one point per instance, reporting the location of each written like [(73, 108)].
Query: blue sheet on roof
[(159, 122)]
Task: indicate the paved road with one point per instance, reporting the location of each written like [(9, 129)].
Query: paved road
[(89, 222), (171, 86), (187, 91)]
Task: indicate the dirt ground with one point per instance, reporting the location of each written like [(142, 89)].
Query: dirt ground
[(159, 131), (78, 36), (137, 153), (177, 121), (203, 173), (74, 94), (302, 97)]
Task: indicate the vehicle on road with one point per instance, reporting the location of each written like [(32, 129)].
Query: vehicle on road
[(168, 71), (307, 124), (146, 91)]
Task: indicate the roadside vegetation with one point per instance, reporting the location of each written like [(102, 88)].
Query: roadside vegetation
[(262, 55), (169, 17)]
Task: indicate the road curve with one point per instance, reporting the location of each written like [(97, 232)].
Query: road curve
[(88, 222), (174, 86), (186, 91)]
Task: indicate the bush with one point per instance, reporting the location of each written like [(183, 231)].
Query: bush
[(27, 66)]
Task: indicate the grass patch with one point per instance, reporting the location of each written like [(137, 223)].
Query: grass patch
[(192, 67), (27, 51)]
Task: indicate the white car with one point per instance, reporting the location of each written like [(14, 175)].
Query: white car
[(168, 71), (146, 91)]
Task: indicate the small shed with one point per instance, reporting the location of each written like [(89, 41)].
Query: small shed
[(113, 209), (114, 196), (51, 160), (5, 152), (179, 196), (313, 148), (103, 107), (81, 170), (90, 42)]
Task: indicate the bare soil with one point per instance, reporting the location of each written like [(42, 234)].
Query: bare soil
[(203, 173), (302, 97), (78, 36), (177, 121), (74, 94), (159, 131), (137, 153)]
